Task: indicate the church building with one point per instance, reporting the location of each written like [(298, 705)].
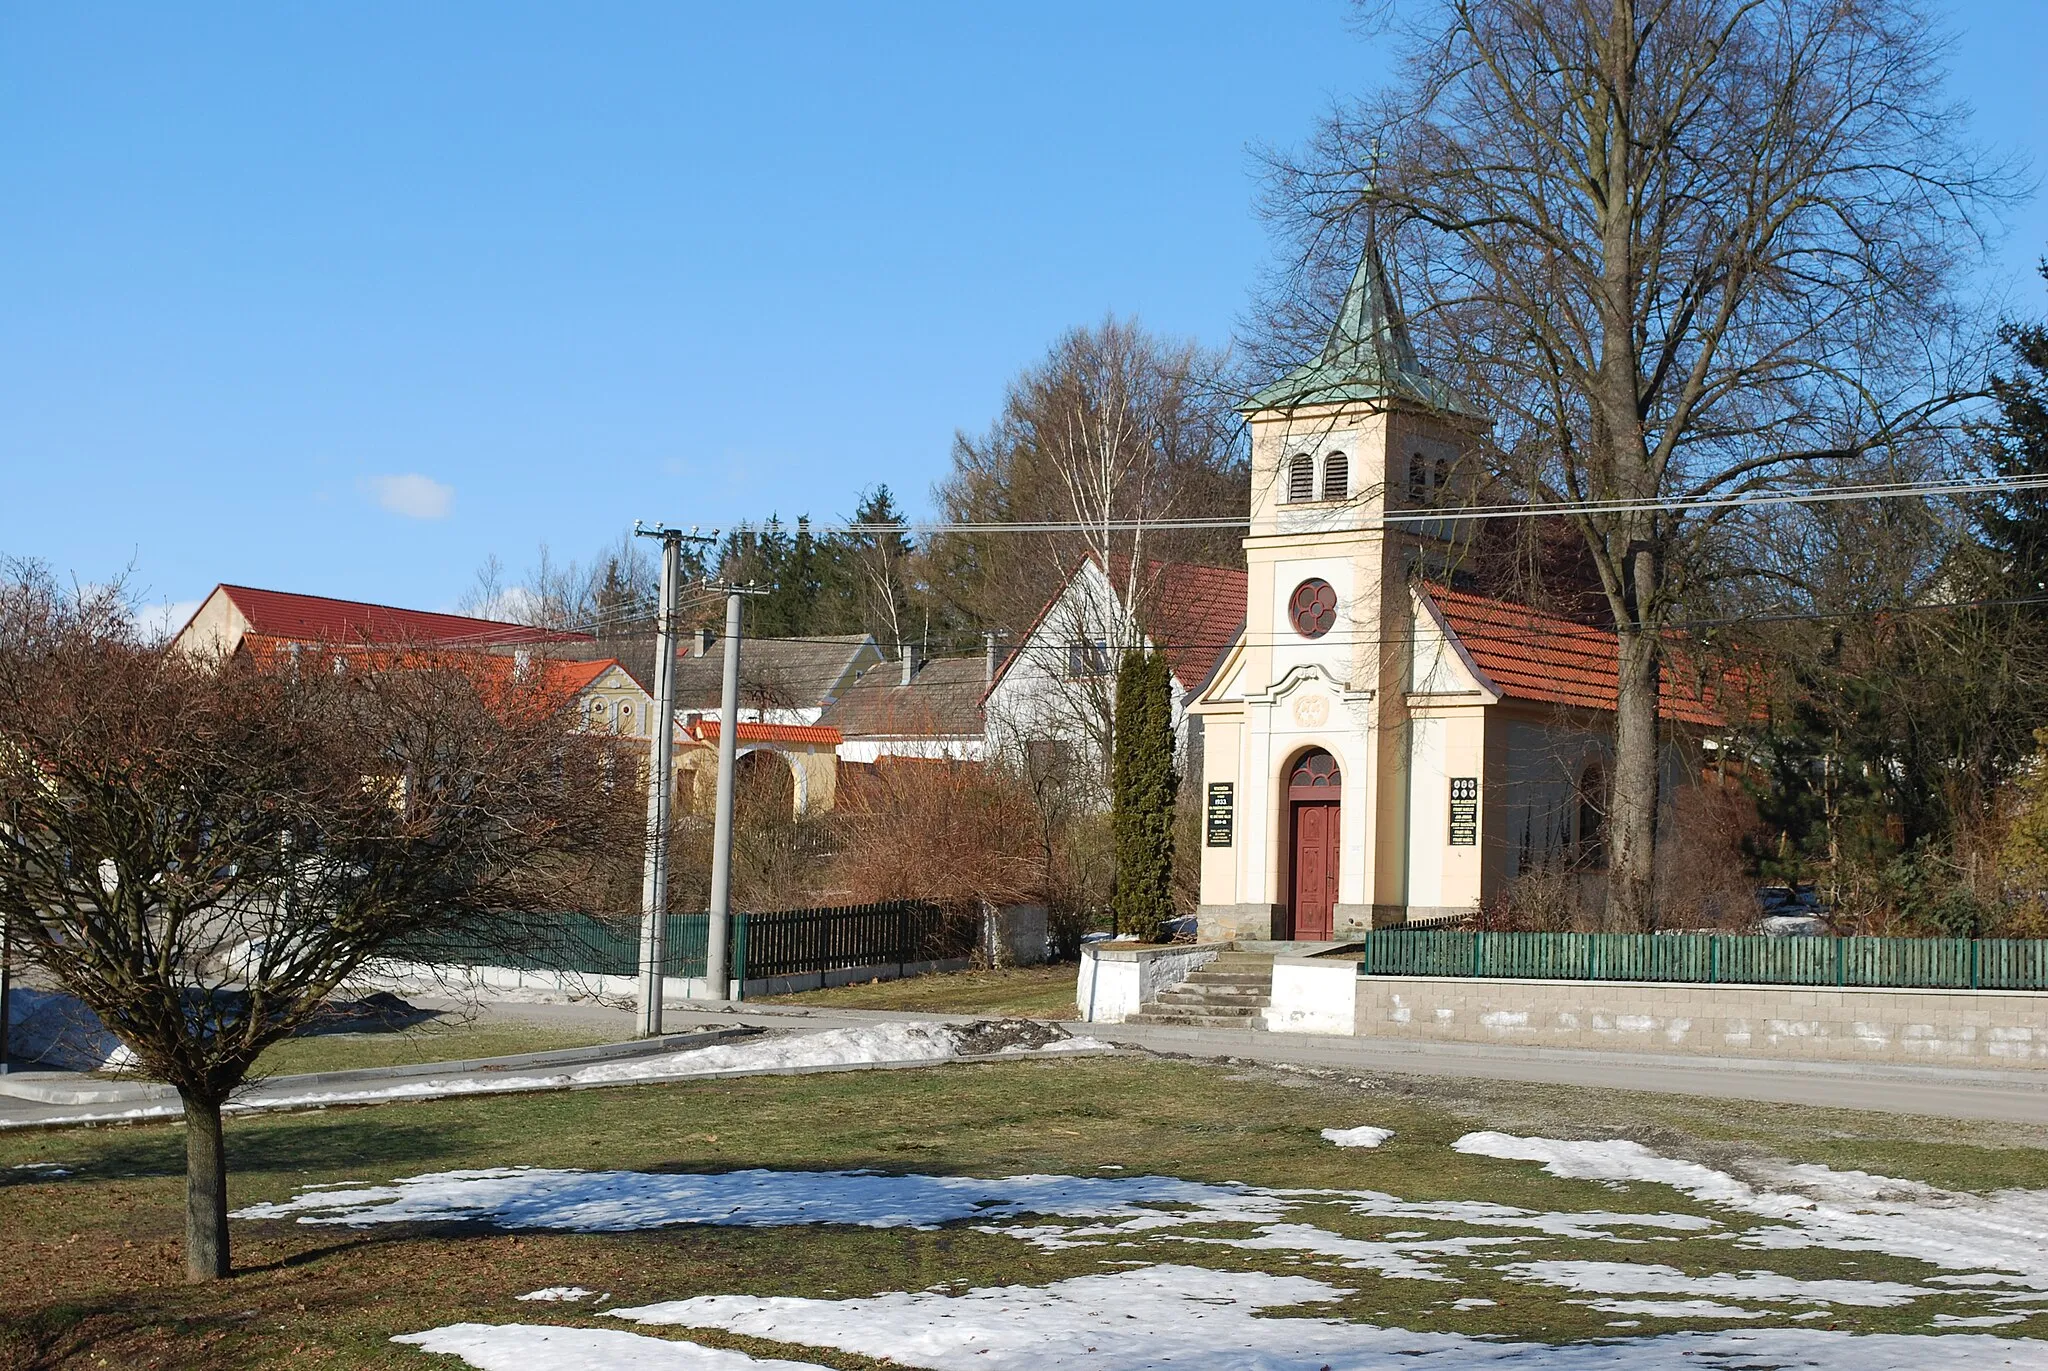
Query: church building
[(1379, 745)]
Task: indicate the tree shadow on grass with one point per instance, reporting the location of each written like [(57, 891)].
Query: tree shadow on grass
[(275, 1146)]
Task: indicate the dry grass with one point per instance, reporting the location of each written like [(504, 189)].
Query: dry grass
[(90, 1273), (1036, 992)]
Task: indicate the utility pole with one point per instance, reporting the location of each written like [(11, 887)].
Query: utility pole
[(660, 780), (716, 979)]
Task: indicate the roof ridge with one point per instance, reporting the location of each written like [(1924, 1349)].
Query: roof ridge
[(393, 609)]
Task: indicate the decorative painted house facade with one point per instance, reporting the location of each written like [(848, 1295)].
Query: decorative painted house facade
[(1378, 745)]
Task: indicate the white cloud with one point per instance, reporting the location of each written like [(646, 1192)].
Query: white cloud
[(413, 495), (157, 622)]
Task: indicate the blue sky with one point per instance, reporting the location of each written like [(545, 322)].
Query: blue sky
[(344, 298)]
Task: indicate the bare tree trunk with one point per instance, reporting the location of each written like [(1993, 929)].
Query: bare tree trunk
[(206, 1191), (1632, 792)]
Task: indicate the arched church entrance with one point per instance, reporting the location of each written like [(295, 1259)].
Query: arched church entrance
[(1315, 789)]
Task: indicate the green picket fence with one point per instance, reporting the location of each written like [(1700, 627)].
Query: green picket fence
[(781, 942), (1713, 959)]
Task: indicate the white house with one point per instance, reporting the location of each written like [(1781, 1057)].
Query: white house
[(1055, 691)]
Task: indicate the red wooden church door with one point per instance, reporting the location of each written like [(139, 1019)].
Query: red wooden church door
[(1314, 791)]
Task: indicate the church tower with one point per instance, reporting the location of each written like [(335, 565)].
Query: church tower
[(1304, 723)]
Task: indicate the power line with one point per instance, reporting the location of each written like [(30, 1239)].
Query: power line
[(1533, 635), (1889, 490)]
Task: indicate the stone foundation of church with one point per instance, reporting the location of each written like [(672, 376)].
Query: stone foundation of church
[(1241, 922)]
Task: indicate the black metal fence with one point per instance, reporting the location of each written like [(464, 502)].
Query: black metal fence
[(800, 942)]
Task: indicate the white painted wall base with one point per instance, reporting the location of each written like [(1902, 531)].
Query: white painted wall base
[(1972, 1028), (1313, 995), (504, 982), (1116, 978)]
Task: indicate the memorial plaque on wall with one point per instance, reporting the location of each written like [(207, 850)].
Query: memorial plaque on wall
[(1222, 812), (1464, 811)]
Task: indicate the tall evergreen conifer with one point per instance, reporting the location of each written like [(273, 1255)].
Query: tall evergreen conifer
[(2016, 524), (1143, 782)]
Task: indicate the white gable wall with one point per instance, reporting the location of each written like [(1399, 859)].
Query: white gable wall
[(1039, 698)]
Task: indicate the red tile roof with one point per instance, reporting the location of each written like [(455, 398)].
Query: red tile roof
[(564, 677), (1192, 614), (315, 618), (1527, 654), (820, 734)]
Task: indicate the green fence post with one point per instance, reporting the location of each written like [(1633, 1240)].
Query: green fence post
[(1713, 960), (1478, 946), (1838, 960), (1973, 963)]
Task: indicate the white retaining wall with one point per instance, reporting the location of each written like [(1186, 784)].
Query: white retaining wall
[(1974, 1028), (1116, 978), (1313, 995), (488, 982)]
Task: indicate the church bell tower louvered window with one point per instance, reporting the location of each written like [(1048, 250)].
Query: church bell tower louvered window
[(1301, 480)]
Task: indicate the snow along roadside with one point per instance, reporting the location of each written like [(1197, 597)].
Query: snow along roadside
[(866, 1047)]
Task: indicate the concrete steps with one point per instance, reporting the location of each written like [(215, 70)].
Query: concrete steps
[(1229, 992)]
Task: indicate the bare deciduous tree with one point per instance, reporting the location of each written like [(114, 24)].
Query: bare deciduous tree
[(1675, 248), (1115, 429), (204, 851)]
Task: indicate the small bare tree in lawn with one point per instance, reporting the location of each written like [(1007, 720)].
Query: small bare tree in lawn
[(1675, 249), (204, 851)]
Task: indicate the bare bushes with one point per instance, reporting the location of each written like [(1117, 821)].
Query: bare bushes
[(1706, 880), (947, 831)]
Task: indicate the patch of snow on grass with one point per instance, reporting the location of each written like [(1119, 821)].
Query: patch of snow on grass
[(620, 1201), (552, 1293), (1843, 1210), (1393, 1260), (1099, 1209), (523, 1347), (866, 1045), (1671, 1309), (1364, 1136), (1192, 1319), (1632, 1278), (1980, 1321)]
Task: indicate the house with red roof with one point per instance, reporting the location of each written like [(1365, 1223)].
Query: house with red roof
[(1381, 745), (235, 617), (1051, 700)]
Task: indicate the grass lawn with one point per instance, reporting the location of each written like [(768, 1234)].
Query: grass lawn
[(1034, 992), (90, 1271), (437, 1040)]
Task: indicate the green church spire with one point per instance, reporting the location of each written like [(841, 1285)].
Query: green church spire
[(1368, 356)]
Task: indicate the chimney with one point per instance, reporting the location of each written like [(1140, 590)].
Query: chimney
[(522, 663), (701, 640), (909, 666), (989, 660)]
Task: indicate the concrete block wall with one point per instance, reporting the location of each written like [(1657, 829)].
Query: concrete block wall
[(1976, 1028)]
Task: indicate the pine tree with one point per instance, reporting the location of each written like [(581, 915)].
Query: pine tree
[(1143, 783), (2015, 526), (871, 572)]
